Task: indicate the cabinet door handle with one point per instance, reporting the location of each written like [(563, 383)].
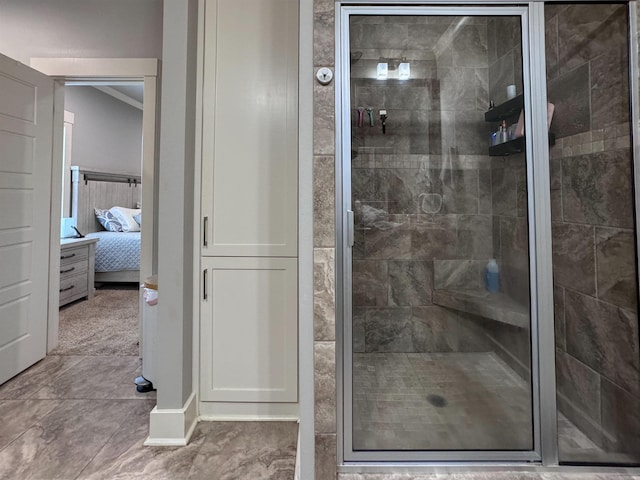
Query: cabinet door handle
[(62, 257), (68, 288), (68, 270), (205, 227), (204, 284)]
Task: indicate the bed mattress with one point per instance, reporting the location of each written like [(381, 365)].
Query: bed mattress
[(117, 251)]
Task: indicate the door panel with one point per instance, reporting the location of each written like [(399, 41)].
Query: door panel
[(249, 330), (26, 123), (250, 123), (437, 315)]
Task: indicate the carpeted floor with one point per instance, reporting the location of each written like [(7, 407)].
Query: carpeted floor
[(105, 325)]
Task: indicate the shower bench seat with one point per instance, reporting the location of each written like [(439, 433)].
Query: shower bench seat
[(495, 306)]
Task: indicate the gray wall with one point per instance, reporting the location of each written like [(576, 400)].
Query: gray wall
[(107, 133), (80, 28)]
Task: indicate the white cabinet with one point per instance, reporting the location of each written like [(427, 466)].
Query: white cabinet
[(249, 317), (250, 125), (249, 330)]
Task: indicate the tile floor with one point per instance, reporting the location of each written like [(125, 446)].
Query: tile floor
[(80, 418), (447, 401), (482, 404), (441, 401), (76, 417)]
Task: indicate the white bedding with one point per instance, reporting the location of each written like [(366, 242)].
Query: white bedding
[(117, 251)]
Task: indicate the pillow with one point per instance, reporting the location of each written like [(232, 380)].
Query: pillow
[(108, 221), (138, 218), (125, 217)]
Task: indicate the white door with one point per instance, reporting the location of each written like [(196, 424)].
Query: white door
[(26, 136)]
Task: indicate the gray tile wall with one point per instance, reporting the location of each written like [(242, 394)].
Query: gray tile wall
[(324, 246), (598, 362), (509, 220), (433, 158), (505, 57)]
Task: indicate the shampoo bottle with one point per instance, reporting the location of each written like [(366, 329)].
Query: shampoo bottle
[(491, 276)]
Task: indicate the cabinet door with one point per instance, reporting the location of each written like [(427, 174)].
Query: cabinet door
[(249, 331), (250, 125)]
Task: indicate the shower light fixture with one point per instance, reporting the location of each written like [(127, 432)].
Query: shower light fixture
[(404, 71), (385, 65), (383, 70)]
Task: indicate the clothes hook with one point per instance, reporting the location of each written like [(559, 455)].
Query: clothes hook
[(360, 115), (370, 112)]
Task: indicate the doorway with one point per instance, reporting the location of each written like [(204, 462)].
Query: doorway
[(470, 205), (101, 170), (107, 70)]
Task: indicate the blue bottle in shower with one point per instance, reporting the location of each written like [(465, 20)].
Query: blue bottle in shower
[(491, 276)]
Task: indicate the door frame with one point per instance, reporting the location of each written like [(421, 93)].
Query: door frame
[(100, 69), (542, 358)]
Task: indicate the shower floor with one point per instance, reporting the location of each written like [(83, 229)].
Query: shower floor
[(442, 401)]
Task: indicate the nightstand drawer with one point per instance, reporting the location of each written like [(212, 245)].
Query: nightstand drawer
[(72, 255), (73, 286), (72, 269), (76, 268)]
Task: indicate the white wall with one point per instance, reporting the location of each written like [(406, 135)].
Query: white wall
[(176, 202), (80, 28), (107, 133)]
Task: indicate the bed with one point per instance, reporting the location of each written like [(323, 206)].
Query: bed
[(117, 253), (117, 256)]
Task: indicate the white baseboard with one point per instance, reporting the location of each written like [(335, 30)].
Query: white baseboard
[(172, 427), (249, 412)]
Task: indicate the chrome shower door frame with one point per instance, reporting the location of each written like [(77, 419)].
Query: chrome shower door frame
[(544, 419)]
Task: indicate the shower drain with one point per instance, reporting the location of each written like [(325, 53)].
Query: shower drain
[(437, 400)]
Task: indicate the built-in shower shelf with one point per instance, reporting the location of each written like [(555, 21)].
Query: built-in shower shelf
[(495, 306), (507, 148), (517, 145), (506, 111)]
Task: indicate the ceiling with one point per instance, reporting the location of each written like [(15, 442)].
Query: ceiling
[(130, 90)]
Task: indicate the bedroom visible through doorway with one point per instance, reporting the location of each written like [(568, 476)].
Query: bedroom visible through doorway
[(101, 201)]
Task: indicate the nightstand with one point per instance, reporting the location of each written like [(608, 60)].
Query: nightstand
[(77, 268)]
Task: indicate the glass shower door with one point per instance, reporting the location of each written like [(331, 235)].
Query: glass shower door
[(594, 234), (438, 360)]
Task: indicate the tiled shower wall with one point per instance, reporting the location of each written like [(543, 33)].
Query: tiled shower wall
[(598, 371), (509, 198), (421, 190), (324, 245)]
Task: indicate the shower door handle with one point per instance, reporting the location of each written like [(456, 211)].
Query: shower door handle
[(350, 229)]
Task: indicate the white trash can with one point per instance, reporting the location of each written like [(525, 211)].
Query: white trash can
[(149, 340)]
